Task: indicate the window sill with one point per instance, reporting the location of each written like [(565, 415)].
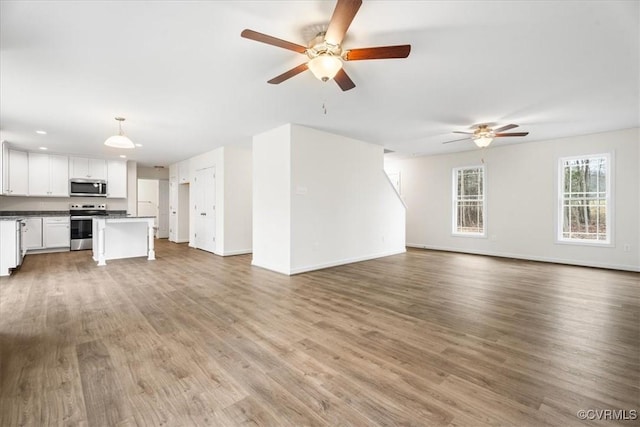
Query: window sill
[(596, 244), (472, 235)]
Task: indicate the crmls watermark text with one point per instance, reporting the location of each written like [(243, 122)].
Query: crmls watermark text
[(608, 414)]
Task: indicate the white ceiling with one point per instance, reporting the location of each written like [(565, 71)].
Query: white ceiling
[(188, 83)]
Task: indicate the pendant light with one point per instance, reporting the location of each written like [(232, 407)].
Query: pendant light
[(119, 140)]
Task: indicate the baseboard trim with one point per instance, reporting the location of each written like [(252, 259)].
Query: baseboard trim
[(273, 269), (308, 268), (237, 252), (529, 257)]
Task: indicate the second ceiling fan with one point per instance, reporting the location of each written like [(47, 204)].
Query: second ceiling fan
[(325, 51), (483, 134)]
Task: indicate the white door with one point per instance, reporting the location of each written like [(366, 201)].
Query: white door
[(163, 209), (205, 209), (173, 209)]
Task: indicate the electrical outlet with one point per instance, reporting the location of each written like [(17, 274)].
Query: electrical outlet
[(626, 248)]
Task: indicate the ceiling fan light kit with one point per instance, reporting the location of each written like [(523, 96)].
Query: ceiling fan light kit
[(483, 141), (325, 51), (325, 67), (119, 140)]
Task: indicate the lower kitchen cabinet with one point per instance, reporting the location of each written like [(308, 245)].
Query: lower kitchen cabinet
[(42, 233), (32, 233), (56, 233), (10, 251)]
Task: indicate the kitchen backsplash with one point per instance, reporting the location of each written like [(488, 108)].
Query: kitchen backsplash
[(16, 203)]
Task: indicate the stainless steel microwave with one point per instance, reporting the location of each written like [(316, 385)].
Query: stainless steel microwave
[(87, 187)]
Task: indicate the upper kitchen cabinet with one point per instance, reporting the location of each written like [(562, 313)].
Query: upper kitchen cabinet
[(117, 179), (16, 178), (48, 175), (82, 167)]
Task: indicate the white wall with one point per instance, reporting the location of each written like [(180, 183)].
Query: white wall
[(521, 191), (132, 188), (272, 199), (321, 200), (237, 200), (18, 203), (153, 173)]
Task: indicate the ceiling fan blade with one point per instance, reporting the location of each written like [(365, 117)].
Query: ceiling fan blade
[(503, 128), (259, 37), (500, 135), (381, 52), (466, 133), (456, 140), (343, 14), (287, 75), (344, 81)]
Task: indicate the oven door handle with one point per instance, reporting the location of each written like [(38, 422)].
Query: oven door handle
[(86, 218)]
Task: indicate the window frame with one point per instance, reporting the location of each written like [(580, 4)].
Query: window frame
[(609, 200), (454, 203)]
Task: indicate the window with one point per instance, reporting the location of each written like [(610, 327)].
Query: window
[(468, 201), (585, 199)]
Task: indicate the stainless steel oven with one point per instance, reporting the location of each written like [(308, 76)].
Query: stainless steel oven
[(82, 224)]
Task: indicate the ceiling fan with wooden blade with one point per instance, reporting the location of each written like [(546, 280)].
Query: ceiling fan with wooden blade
[(484, 134), (325, 53)]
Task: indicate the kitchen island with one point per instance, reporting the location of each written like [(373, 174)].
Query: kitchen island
[(121, 236)]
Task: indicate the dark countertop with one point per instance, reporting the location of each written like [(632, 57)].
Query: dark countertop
[(22, 214), (120, 216)]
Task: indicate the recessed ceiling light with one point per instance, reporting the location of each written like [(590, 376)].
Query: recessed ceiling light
[(123, 156), (43, 148), (138, 145), (41, 132)]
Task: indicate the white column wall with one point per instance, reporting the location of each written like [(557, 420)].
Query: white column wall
[(321, 200), (272, 199), (343, 208), (238, 198)]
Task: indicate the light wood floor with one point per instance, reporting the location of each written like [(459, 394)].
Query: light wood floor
[(423, 338)]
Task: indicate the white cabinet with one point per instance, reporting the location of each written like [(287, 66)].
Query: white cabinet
[(4, 168), (10, 252), (56, 233), (82, 167), (17, 173), (117, 179), (48, 175), (41, 233), (59, 175), (32, 233)]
